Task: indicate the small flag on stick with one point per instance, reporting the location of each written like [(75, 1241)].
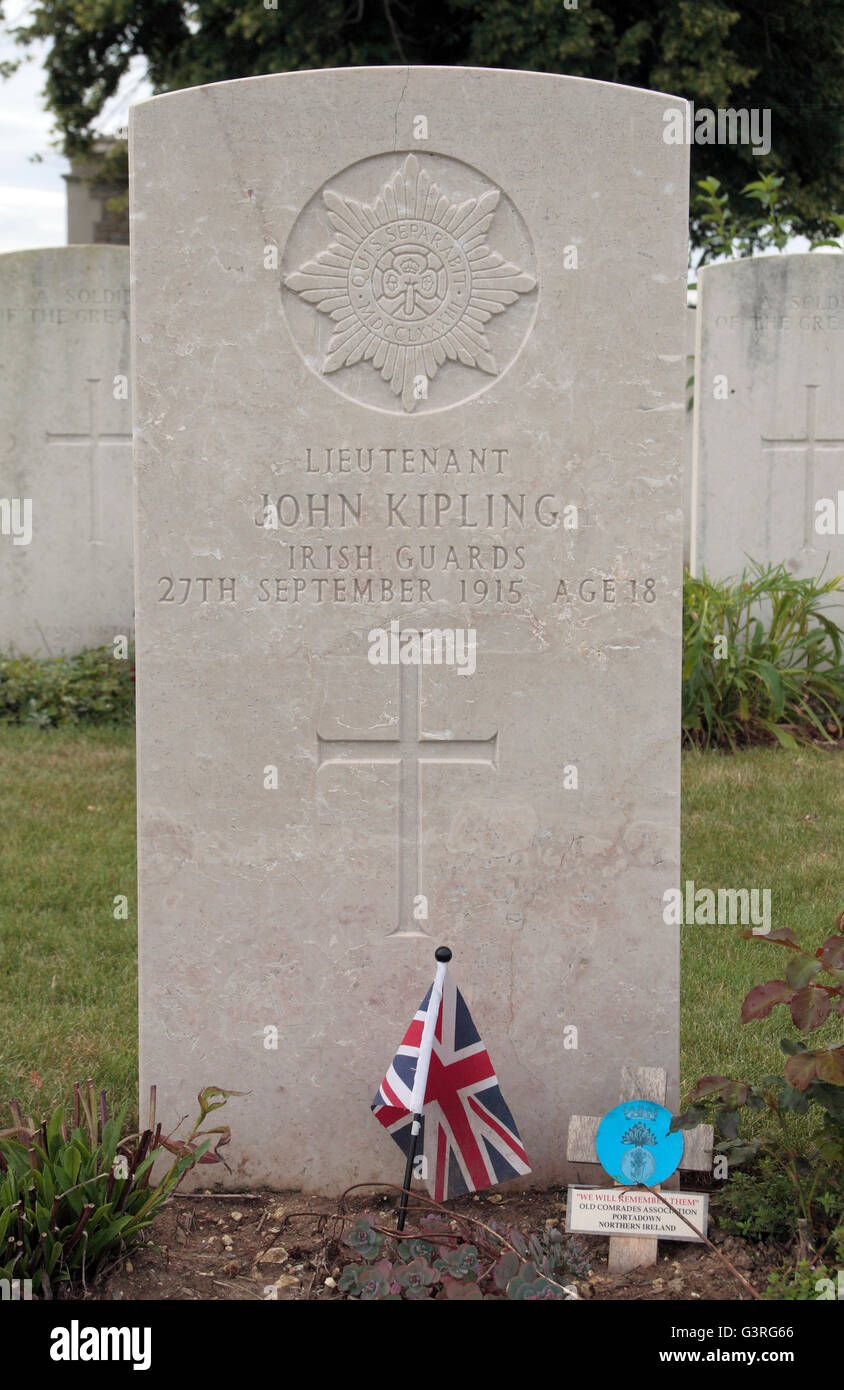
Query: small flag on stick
[(441, 1101)]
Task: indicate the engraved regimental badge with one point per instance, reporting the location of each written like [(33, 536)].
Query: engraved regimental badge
[(412, 280)]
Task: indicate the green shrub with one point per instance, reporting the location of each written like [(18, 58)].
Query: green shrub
[(759, 1205), (71, 1201), (811, 1084), (93, 687), (435, 1263), (776, 673), (810, 1279)]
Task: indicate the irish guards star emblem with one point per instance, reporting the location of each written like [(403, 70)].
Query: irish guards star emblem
[(410, 281)]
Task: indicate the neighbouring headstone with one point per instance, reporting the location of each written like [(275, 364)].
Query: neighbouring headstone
[(66, 574), (769, 415), (400, 369)]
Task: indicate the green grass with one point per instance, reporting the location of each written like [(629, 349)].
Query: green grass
[(761, 818), (68, 968)]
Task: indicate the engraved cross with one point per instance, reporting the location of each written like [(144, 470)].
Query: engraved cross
[(410, 750), (809, 443), (97, 439)]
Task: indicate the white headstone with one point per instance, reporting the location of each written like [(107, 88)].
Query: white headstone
[(469, 329), (66, 581), (769, 415)]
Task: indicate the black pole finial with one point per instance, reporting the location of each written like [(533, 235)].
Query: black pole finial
[(443, 954)]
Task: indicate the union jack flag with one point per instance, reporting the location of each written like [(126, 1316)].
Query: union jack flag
[(469, 1138)]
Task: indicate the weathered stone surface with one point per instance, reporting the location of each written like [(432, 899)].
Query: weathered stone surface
[(769, 415), (65, 446), (421, 453)]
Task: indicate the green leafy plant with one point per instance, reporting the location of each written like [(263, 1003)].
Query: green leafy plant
[(364, 1240), (727, 227), (818, 242), (370, 1282), (760, 1204), (438, 1264), (773, 220), (811, 1084), (461, 1263), (715, 218), (415, 1279), (762, 660), (73, 1198), (808, 1279), (93, 687)]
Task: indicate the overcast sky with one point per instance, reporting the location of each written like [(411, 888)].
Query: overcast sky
[(32, 195)]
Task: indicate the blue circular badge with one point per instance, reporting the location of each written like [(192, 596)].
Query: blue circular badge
[(634, 1145)]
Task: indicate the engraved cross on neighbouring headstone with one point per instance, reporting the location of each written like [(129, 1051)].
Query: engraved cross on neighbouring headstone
[(410, 750), (809, 443), (93, 440)]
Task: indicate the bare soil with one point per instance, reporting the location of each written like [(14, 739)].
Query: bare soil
[(261, 1245)]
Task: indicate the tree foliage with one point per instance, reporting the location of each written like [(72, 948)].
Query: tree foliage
[(784, 55)]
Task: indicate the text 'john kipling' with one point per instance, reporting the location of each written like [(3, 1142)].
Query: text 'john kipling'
[(402, 509)]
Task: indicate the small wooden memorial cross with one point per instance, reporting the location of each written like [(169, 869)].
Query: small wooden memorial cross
[(638, 1083)]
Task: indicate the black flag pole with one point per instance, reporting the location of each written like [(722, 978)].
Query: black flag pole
[(442, 955), (408, 1171)]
